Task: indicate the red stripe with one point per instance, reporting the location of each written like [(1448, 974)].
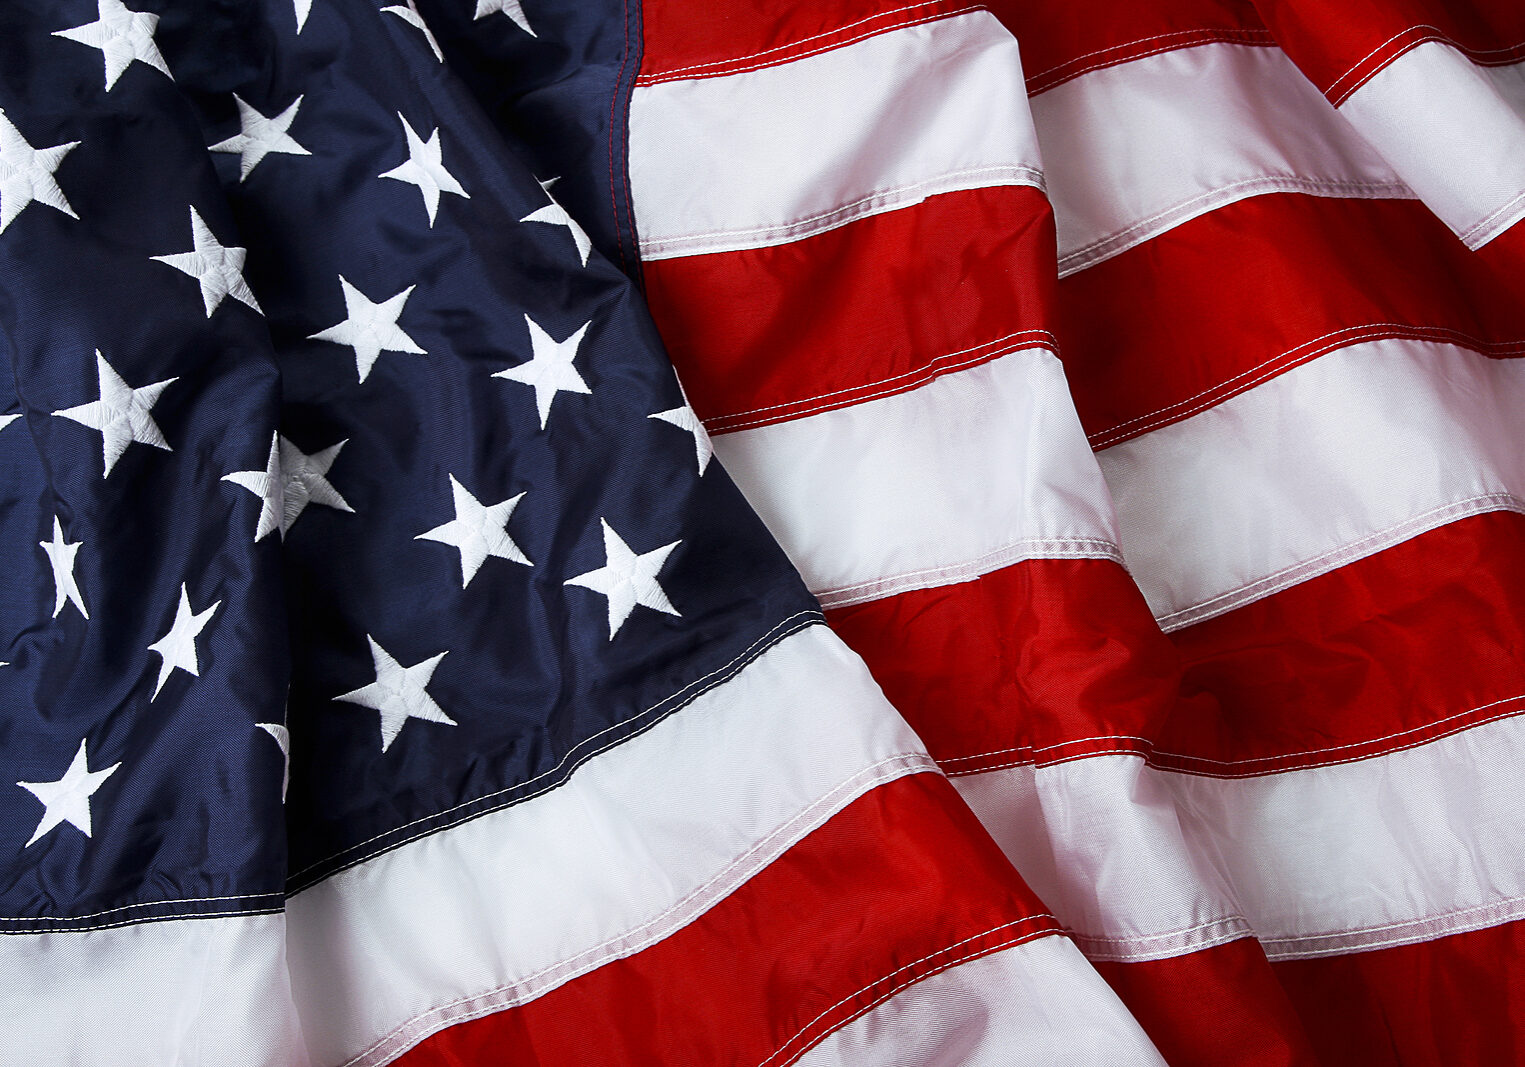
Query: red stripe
[(1456, 1000), (878, 306), (1042, 661), (1340, 45), (1051, 660), (1225, 301), (899, 885), (684, 39), (1061, 41), (1217, 1006)]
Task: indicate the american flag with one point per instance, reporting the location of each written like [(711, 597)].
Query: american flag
[(393, 672)]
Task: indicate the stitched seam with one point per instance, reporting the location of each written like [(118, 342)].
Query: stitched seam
[(142, 904), (1423, 920), (929, 373), (1299, 571), (1273, 366), (1236, 920), (714, 678), (1111, 551), (939, 969), (675, 74), (938, 361), (1123, 955), (1045, 748), (150, 919), (1488, 221), (1105, 246), (1033, 173), (1037, 84), (634, 940), (614, 204), (899, 970), (1340, 96)]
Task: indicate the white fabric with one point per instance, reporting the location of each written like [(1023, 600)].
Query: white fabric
[(971, 472), (783, 152), (1051, 1010), (1390, 850), (641, 840), (1455, 131), (1343, 456), (1136, 149)]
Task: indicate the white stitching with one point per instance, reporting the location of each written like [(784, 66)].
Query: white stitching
[(737, 664), (915, 963), (1507, 904), (1488, 224), (129, 907), (1273, 366), (1204, 36), (1439, 35), (841, 215), (673, 74)]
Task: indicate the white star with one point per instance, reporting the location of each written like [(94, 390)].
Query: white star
[(627, 579), (512, 8), (122, 36), (68, 799), (398, 693), (685, 419), (217, 267), (260, 136), (303, 9), (549, 371), (370, 328), (266, 485), (409, 13), (122, 414), (26, 174), (6, 420), (425, 170), (553, 214), (477, 531), (283, 738), (61, 556), (177, 649)]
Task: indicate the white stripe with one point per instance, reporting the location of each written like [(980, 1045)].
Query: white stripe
[(1332, 461), (642, 840), (1455, 131), (189, 992), (971, 472), (1320, 860), (776, 154), (1034, 1004), (1138, 148)]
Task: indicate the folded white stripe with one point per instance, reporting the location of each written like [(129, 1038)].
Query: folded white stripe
[(1455, 131), (1331, 461), (1133, 150), (1319, 860), (190, 992), (971, 472), (640, 841), (782, 152), (1032, 1005)]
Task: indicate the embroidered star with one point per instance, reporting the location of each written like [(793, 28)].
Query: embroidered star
[(553, 214), (409, 13), (259, 136), (549, 371), (478, 531), (6, 420), (218, 268), (282, 738), (266, 485), (122, 414), (627, 579), (684, 419), (177, 649), (398, 693), (61, 556), (68, 799), (424, 169), (303, 9), (370, 328), (26, 174), (122, 35), (512, 8)]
